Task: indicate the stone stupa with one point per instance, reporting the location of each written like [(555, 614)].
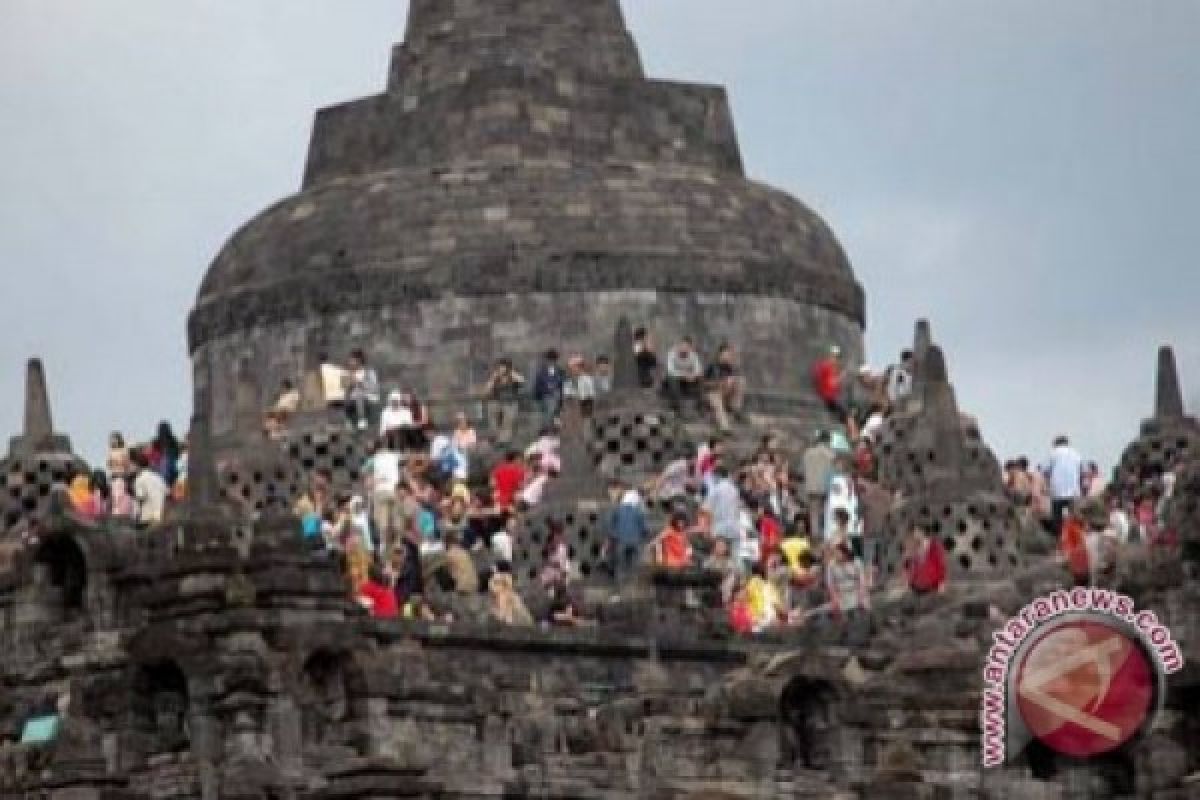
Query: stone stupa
[(522, 184)]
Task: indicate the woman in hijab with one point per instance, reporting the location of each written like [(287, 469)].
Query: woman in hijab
[(166, 452)]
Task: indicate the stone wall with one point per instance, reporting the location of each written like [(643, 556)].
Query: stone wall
[(446, 347)]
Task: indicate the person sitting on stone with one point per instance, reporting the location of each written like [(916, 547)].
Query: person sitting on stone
[(563, 611), (503, 391), (603, 375), (360, 383), (546, 448), (279, 415), (463, 435), (404, 565), (767, 608), (378, 595), (725, 387), (685, 375), (741, 615), (556, 557), (506, 606), (675, 482), (580, 385), (395, 419), (548, 386), (672, 547), (803, 573), (846, 583), (448, 460), (461, 567), (925, 563), (645, 358)]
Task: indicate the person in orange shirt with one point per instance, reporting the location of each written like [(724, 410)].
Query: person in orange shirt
[(672, 548), (1074, 547)]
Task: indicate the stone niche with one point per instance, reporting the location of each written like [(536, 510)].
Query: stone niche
[(160, 707), (332, 705)]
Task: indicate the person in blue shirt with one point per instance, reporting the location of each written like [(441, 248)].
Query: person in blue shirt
[(627, 532), (548, 387)]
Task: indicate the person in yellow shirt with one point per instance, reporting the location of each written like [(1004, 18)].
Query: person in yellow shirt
[(766, 606)]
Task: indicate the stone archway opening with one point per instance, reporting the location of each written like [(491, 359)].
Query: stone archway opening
[(807, 707), (63, 560), (161, 704), (330, 701)]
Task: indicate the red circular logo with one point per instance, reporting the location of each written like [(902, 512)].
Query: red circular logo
[(1084, 688)]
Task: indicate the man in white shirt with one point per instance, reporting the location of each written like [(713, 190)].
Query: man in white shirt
[(1064, 477), (150, 491), (724, 507), (383, 471)]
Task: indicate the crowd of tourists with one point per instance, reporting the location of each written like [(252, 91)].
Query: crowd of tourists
[(791, 543), (1094, 523), (138, 482)]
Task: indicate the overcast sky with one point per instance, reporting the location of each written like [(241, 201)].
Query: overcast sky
[(1025, 173)]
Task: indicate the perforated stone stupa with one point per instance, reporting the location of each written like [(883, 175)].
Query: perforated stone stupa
[(39, 460), (1170, 437), (951, 484), (522, 184)]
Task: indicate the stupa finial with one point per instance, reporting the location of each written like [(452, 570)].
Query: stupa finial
[(1168, 400), (39, 423)]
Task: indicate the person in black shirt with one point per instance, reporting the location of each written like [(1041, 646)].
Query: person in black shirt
[(725, 387), (647, 360), (504, 391)]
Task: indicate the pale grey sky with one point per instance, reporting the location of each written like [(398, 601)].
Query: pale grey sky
[(1026, 173)]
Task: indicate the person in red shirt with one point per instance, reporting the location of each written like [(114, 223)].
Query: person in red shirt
[(741, 617), (672, 548), (1073, 544), (827, 381), (770, 533), (926, 563), (378, 597), (507, 479)]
